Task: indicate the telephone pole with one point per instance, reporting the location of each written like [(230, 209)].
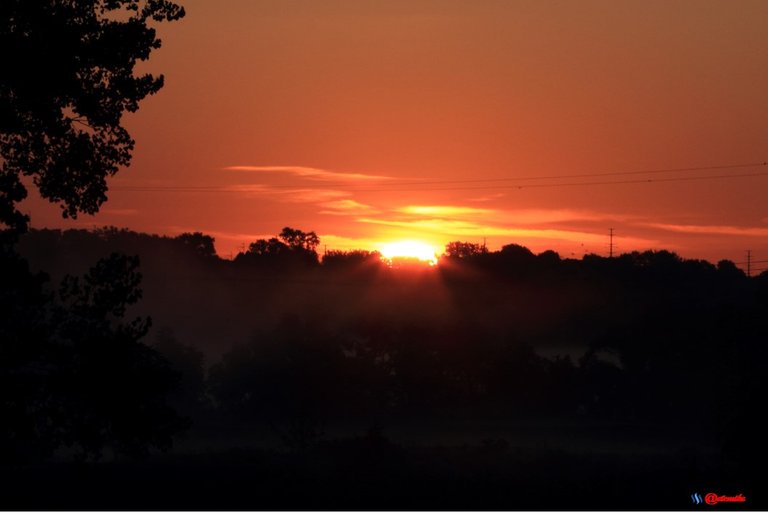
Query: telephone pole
[(749, 263), (610, 243)]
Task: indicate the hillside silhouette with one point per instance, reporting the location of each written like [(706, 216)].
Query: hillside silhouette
[(580, 382)]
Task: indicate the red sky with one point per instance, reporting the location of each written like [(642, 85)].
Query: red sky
[(371, 121)]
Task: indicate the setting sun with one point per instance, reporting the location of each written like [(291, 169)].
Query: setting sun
[(409, 250), (383, 256)]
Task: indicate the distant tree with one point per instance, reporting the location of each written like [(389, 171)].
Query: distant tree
[(461, 250), (657, 259), (66, 80), (267, 247), (291, 247), (351, 259), (549, 257), (728, 269), (516, 251), (200, 243), (298, 240), (515, 260)]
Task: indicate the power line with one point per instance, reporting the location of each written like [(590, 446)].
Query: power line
[(553, 177), (215, 189), (752, 261), (571, 184)]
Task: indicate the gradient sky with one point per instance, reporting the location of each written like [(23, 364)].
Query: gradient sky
[(352, 118)]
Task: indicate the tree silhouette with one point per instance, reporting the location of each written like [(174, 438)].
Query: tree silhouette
[(200, 244), (67, 79), (112, 386), (516, 252), (289, 248), (73, 373), (461, 250), (357, 260), (265, 247), (298, 240)]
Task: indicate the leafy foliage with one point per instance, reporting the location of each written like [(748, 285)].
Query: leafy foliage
[(73, 373), (299, 240), (67, 79), (462, 250), (201, 244), (290, 247)]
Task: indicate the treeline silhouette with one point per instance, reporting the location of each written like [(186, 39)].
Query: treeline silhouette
[(611, 375)]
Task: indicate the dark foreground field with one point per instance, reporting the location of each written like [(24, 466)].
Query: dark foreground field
[(372, 473), (499, 380)]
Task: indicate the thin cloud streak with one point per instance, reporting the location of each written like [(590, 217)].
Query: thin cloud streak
[(345, 243), (290, 195), (311, 195), (311, 173), (444, 210), (454, 228), (538, 216), (721, 230), (487, 198), (347, 207), (503, 216)]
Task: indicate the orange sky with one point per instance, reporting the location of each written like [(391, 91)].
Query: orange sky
[(351, 118)]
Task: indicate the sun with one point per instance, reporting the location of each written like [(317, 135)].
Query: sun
[(408, 250)]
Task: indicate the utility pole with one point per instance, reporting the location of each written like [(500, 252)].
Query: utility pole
[(610, 244), (749, 263)]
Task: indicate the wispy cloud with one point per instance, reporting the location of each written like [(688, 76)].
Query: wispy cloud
[(470, 229), (310, 195), (331, 200), (721, 230), (249, 188), (443, 210), (539, 216), (507, 216), (307, 195), (347, 207), (487, 198), (338, 242), (311, 173)]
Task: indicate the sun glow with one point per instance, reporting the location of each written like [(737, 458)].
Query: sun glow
[(405, 251)]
